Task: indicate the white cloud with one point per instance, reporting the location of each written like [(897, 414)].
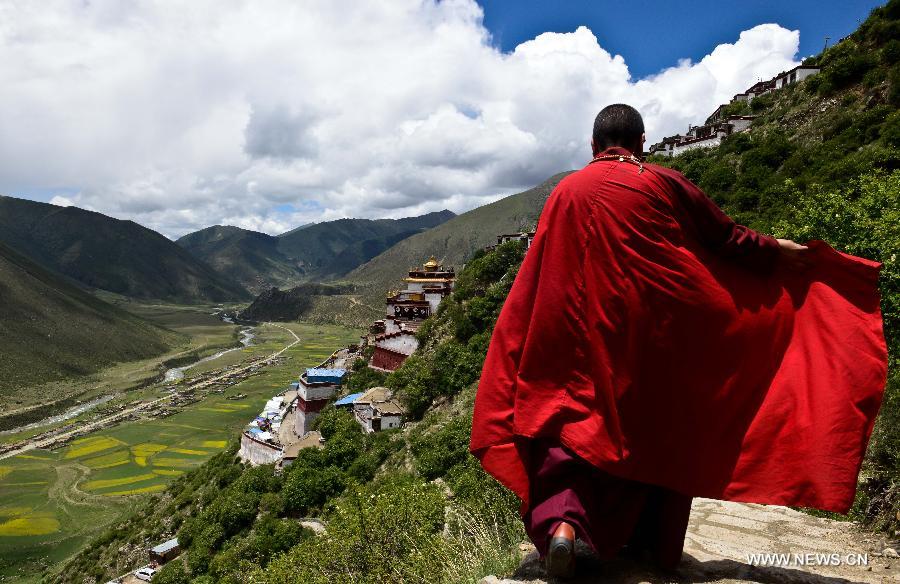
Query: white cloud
[(271, 113)]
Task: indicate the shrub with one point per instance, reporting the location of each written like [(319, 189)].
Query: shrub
[(439, 450), (383, 532), (308, 488)]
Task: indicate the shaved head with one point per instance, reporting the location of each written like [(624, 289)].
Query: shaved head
[(618, 125)]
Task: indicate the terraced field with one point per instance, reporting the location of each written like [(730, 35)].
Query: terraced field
[(53, 501)]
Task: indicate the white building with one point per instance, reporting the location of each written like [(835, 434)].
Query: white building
[(718, 125), (795, 75), (377, 410)]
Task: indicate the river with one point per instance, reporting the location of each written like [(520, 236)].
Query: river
[(177, 373)]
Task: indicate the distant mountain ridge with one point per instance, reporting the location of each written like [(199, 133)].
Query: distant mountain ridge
[(110, 254), (312, 252), (249, 258)]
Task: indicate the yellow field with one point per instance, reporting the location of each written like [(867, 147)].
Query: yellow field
[(214, 444), (142, 451), (102, 484), (189, 451), (116, 458), (13, 511), (32, 457), (90, 445), (150, 489), (30, 524)]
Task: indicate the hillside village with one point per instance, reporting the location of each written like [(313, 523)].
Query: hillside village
[(730, 118), (285, 425)]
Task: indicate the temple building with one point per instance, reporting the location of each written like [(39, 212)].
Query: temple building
[(392, 349), (394, 336), (526, 236), (705, 136), (425, 288), (720, 124), (315, 388)]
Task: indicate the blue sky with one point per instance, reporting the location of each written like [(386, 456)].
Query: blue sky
[(653, 35)]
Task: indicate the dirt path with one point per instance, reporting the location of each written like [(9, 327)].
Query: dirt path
[(237, 369), (722, 536)]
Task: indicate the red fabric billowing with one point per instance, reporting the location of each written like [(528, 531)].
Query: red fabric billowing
[(665, 344)]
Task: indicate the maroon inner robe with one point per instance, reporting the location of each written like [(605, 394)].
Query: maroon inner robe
[(606, 512)]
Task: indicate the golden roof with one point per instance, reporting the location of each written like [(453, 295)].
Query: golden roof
[(438, 280), (431, 264)]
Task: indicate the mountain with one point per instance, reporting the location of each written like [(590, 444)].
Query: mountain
[(247, 257), (315, 251), (454, 241), (333, 248), (110, 254), (51, 330), (288, 305)]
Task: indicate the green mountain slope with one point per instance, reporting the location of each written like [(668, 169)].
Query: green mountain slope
[(452, 242), (52, 330), (334, 247), (110, 254), (310, 252), (248, 257)]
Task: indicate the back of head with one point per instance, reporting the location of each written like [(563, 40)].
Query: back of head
[(618, 125)]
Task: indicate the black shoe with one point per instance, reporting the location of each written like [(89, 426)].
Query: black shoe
[(560, 560)]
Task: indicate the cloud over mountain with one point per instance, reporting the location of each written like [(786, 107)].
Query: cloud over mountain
[(273, 113)]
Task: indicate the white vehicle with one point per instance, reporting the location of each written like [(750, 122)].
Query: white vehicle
[(146, 573)]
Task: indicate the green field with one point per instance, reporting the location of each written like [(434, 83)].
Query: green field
[(53, 502)]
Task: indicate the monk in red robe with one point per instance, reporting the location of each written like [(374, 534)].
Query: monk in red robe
[(652, 350)]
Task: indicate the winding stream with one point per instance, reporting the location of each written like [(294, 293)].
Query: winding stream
[(66, 415), (177, 373)]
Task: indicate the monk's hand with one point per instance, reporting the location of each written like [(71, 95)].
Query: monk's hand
[(794, 254)]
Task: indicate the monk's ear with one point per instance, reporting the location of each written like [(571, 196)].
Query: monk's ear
[(593, 148)]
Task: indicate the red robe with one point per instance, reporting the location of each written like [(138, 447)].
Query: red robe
[(663, 343)]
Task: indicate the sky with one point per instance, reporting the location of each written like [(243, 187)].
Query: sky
[(268, 114), (652, 35)]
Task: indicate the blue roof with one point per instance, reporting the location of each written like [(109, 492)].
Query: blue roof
[(325, 372), (347, 400)]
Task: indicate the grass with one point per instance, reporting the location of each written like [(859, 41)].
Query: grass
[(53, 331), (53, 501)]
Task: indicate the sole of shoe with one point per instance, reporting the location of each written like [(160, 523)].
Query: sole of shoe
[(561, 558)]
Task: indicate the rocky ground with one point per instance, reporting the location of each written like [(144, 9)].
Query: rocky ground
[(721, 536)]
